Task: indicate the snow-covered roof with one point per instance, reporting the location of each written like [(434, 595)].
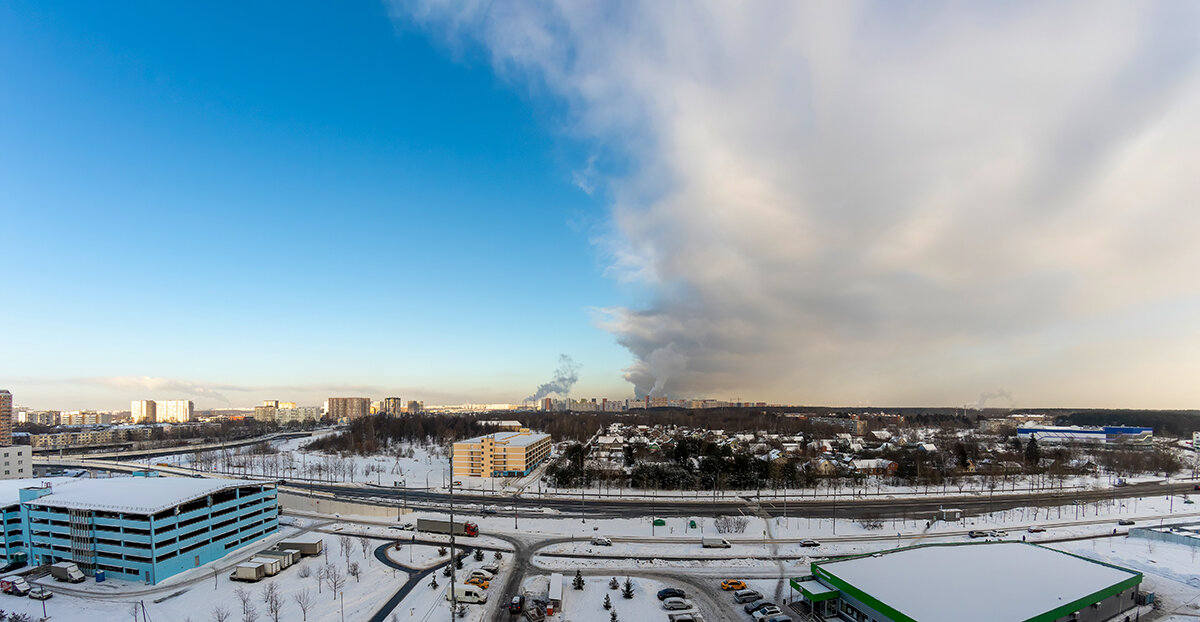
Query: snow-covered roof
[(137, 495), (1007, 581), (10, 489)]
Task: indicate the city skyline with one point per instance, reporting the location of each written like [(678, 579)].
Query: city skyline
[(853, 204)]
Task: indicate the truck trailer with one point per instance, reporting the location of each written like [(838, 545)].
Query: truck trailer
[(248, 571), (461, 528), (67, 571), (307, 548)]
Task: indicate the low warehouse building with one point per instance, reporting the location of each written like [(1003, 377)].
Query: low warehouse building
[(994, 581), (136, 528)]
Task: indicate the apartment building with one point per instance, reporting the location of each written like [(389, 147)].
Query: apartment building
[(348, 407), (501, 454), (6, 417)]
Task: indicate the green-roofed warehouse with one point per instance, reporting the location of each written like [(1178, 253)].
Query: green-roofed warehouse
[(983, 582)]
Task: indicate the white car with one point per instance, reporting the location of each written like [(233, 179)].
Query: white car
[(601, 541), (676, 603), (767, 612)]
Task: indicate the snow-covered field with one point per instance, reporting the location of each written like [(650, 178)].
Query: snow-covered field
[(587, 605), (1170, 570)]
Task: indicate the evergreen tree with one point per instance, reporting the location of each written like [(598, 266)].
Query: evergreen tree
[(1033, 455), (578, 582), (607, 602), (628, 591), (613, 584)]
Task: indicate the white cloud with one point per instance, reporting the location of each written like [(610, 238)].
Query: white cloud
[(879, 202)]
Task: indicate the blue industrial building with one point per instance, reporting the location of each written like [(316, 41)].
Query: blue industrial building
[(134, 528)]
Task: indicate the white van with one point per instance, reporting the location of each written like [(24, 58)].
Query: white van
[(464, 593)]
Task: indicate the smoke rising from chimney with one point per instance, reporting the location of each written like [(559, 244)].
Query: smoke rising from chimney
[(565, 377)]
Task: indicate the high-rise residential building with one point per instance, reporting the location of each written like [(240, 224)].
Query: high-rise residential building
[(265, 412), (143, 411), (393, 406), (175, 411), (348, 407), (415, 408), (6, 417), (271, 403)]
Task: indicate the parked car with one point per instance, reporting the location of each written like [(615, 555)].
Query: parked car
[(1036, 529), (752, 607), (687, 616), (457, 483), (517, 604), (478, 581), (482, 574), (733, 584), (779, 618), (676, 603), (767, 613), (601, 541), (404, 527), (809, 543), (746, 596), (670, 592), (40, 593), (1125, 521), (977, 534)]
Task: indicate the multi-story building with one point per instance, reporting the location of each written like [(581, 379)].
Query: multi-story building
[(85, 417), (6, 417), (301, 414), (1107, 435), (15, 461), (415, 408), (136, 528), (393, 406), (265, 412), (143, 411), (501, 454), (348, 407), (175, 411)]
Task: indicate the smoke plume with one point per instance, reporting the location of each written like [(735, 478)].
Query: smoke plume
[(881, 202), (565, 377)]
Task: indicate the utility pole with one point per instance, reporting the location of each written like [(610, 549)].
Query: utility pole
[(453, 558)]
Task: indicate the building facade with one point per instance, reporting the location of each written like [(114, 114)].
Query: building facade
[(297, 414), (502, 454), (175, 411), (143, 411), (348, 407), (16, 462), (1136, 437), (393, 406), (142, 529), (6, 417)]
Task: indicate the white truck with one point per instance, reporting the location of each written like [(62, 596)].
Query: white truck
[(67, 571), (714, 543), (464, 593)]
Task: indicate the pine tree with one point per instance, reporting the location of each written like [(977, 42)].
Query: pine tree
[(613, 584), (478, 555), (578, 582), (612, 617), (628, 591), (607, 602)]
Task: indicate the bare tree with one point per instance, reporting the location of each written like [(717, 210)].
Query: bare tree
[(335, 579), (220, 614), (346, 546), (321, 575), (354, 571), (304, 600), (273, 601), (249, 614), (304, 572), (364, 543)]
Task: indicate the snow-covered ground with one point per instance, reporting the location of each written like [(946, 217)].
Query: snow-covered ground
[(587, 605), (1170, 570)]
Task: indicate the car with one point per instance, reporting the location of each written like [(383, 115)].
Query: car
[(997, 533), (1196, 487), (809, 543), (1036, 529), (687, 616), (517, 604), (670, 592), (733, 584), (752, 607), (977, 534), (491, 509), (779, 618), (676, 603), (601, 541), (38, 592), (767, 613), (457, 483), (746, 596), (404, 527), (478, 581), (481, 573), (1125, 521), (491, 567)]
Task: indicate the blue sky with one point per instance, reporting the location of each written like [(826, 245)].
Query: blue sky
[(258, 203)]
